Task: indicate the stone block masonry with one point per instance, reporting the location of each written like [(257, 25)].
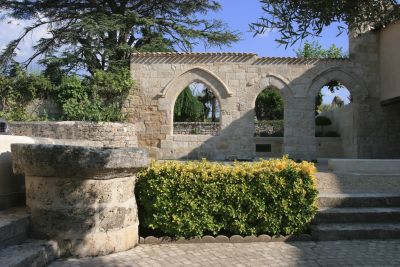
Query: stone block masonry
[(108, 134), (81, 197)]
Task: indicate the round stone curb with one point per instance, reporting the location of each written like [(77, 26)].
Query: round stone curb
[(224, 239)]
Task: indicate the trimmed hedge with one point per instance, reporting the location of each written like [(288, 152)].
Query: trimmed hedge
[(199, 198)]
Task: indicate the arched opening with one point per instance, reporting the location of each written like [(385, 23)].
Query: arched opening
[(334, 120), (197, 111), (269, 124)]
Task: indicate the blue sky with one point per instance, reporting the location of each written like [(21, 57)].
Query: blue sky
[(238, 14)]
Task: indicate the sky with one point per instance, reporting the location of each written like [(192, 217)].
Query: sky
[(238, 14)]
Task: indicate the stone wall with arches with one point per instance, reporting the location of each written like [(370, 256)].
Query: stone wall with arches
[(237, 79)]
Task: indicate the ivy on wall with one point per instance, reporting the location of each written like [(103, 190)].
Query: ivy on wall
[(98, 98)]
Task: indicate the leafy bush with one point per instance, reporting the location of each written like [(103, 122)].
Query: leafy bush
[(18, 89), (197, 198), (99, 98), (269, 105), (322, 121), (332, 134)]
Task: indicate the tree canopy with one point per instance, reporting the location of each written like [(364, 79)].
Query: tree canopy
[(101, 34), (269, 105), (188, 108), (315, 50), (298, 19)]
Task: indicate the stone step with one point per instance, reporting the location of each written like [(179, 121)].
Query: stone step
[(36, 253), (14, 226), (355, 215), (366, 200), (354, 231), (353, 182), (377, 166)]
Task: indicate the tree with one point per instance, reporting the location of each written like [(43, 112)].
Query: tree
[(187, 107), (269, 105), (209, 101), (315, 50), (299, 19), (101, 34)]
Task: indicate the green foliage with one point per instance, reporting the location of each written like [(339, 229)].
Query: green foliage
[(315, 50), (188, 108), (298, 19), (197, 198), (96, 99), (17, 89), (104, 33), (99, 98), (322, 121), (269, 105)]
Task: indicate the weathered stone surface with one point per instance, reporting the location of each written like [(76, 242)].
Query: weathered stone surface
[(108, 134), (83, 198), (207, 239), (38, 253), (236, 239), (151, 240), (367, 129), (14, 226), (222, 239), (264, 238), (77, 162)]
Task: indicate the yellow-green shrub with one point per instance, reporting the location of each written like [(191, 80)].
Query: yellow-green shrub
[(197, 198)]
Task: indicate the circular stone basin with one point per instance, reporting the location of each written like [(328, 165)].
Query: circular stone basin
[(76, 161), (81, 197)]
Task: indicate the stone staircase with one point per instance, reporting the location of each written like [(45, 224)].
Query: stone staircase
[(15, 248), (358, 203)]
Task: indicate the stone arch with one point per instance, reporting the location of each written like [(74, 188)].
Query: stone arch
[(274, 80), (171, 92), (197, 74), (353, 83)]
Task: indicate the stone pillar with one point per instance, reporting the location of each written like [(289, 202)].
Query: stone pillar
[(299, 140), (82, 197)]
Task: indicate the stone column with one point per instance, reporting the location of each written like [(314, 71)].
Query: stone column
[(82, 197)]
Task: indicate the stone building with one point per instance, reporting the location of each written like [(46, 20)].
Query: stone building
[(369, 129)]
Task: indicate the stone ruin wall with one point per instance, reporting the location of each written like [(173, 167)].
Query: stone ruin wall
[(105, 134), (238, 78)]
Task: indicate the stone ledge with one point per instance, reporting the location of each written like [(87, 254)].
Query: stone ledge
[(76, 161), (224, 239)]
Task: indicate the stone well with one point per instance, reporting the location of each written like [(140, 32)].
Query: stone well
[(82, 197)]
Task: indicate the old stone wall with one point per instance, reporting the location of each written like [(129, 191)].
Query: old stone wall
[(106, 133), (238, 78)]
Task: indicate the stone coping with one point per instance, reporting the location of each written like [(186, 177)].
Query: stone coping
[(224, 239), (80, 162), (205, 57)]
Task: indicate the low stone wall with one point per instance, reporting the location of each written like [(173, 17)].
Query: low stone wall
[(271, 128), (329, 147), (108, 133), (81, 197), (196, 128)]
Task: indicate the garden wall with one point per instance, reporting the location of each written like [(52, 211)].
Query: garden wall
[(343, 122), (106, 133)]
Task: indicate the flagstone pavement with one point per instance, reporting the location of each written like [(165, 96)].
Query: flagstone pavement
[(336, 253)]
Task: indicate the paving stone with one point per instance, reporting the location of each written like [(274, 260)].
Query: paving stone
[(332, 253)]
